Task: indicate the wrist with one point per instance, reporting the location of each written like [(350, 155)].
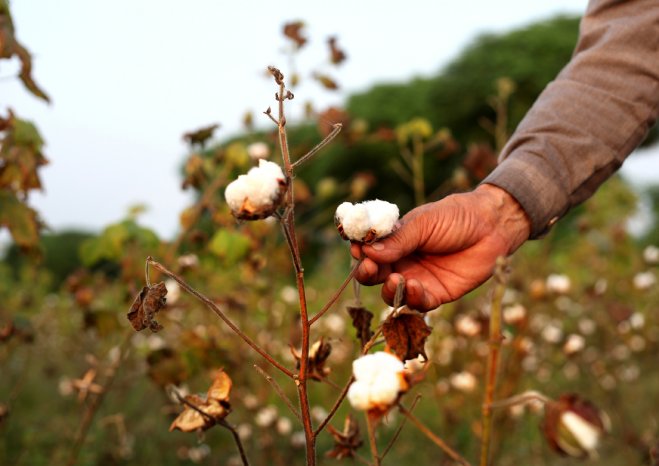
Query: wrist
[(510, 220)]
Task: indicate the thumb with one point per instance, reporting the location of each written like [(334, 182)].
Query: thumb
[(402, 242)]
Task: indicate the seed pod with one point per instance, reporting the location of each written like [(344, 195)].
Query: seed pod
[(574, 426)]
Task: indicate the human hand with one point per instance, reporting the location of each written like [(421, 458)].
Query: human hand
[(446, 248)]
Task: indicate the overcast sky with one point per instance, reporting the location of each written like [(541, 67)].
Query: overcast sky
[(127, 78)]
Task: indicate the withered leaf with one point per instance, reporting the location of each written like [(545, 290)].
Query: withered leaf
[(347, 441), (318, 354), (200, 136), (327, 82), (361, 321), (337, 56), (406, 334), (10, 47), (293, 31), (203, 412), (146, 305)]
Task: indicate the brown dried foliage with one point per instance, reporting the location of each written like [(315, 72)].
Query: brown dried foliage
[(146, 305), (203, 412), (406, 334), (347, 441), (361, 321)]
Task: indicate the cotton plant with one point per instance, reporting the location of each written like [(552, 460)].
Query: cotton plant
[(380, 381)]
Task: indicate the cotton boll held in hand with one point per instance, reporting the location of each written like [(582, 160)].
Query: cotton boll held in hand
[(257, 194), (367, 221)]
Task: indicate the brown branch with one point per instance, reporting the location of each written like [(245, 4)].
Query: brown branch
[(336, 294), (455, 456), (279, 391), (213, 307), (493, 357), (399, 429), (319, 146), (236, 439), (370, 427), (288, 224), (335, 407)]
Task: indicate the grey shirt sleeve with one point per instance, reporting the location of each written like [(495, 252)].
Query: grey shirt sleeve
[(590, 118)]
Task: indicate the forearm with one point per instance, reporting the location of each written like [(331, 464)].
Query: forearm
[(590, 118)]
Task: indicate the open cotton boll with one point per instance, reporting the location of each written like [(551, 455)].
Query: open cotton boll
[(258, 193), (383, 216), (366, 222), (378, 381)]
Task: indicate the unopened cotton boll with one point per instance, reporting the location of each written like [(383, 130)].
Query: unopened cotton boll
[(378, 381), (257, 194), (367, 221)]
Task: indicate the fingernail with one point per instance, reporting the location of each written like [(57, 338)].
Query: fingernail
[(377, 246)]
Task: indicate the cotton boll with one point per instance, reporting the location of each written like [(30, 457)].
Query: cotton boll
[(356, 224), (359, 396), (367, 221), (257, 194), (383, 216), (378, 381)]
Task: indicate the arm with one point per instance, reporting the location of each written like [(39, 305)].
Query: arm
[(576, 135), (587, 121)]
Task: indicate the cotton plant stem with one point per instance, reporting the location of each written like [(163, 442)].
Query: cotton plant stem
[(336, 294), (399, 429), (455, 456), (496, 337), (520, 399), (418, 172), (335, 407), (236, 439), (279, 391), (291, 239), (370, 425), (319, 146), (214, 307)]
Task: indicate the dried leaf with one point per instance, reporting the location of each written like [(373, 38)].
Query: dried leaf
[(327, 82), (293, 31), (203, 412), (146, 305), (406, 334), (10, 47), (347, 441), (318, 354), (361, 321), (200, 136), (337, 56)]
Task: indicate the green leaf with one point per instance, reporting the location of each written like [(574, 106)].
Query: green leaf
[(22, 221), (229, 246)]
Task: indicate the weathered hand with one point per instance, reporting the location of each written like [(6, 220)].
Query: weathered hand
[(445, 249)]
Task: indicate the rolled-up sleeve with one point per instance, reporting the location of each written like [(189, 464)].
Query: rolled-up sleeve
[(590, 118)]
